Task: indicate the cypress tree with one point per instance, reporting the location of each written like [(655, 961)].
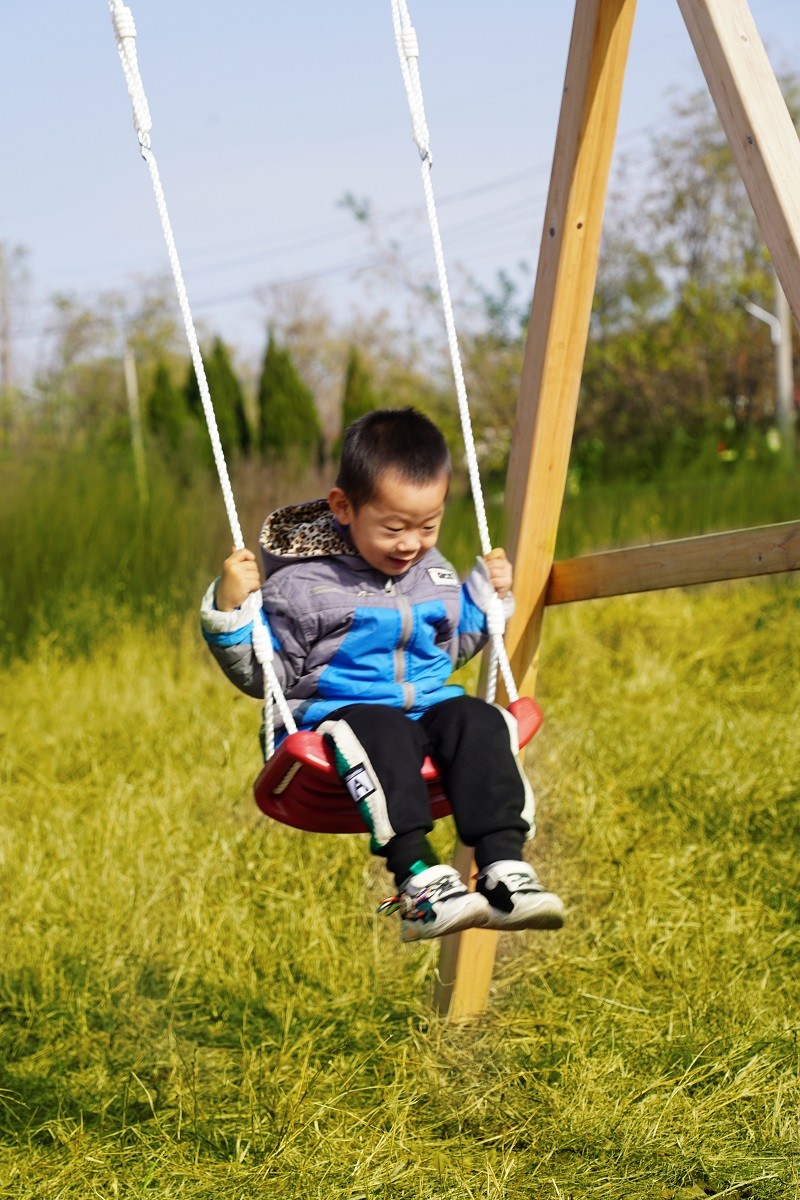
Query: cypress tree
[(359, 396), (167, 413), (288, 421), (227, 398)]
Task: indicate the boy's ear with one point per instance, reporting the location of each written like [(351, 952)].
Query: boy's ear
[(340, 506)]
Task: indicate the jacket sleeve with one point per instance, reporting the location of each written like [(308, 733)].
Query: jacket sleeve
[(229, 636)]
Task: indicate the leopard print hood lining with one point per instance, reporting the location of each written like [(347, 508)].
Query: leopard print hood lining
[(301, 531)]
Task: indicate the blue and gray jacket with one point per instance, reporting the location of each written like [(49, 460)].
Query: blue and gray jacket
[(343, 632)]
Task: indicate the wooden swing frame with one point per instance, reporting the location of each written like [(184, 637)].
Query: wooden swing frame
[(765, 145)]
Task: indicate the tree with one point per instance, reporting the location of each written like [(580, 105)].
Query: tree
[(13, 281), (288, 422), (492, 344), (490, 335), (672, 360), (153, 330), (301, 320), (79, 391), (359, 395), (167, 411), (227, 399)]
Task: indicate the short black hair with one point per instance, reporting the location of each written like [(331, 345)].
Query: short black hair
[(390, 439)]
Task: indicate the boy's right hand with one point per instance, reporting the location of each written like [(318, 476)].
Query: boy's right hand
[(239, 578)]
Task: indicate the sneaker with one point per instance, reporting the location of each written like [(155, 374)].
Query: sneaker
[(517, 898), (436, 902)]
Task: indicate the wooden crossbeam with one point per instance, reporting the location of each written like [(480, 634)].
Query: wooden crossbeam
[(738, 554)]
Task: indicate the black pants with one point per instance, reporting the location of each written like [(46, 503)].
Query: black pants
[(379, 752)]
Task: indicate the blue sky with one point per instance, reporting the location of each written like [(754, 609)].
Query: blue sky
[(265, 114)]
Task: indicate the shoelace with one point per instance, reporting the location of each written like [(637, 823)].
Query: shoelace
[(419, 907)]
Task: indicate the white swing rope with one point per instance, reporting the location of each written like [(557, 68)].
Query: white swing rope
[(408, 53), (125, 32)]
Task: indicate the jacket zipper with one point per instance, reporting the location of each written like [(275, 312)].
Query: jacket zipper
[(406, 629)]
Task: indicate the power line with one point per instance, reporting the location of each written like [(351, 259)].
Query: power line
[(294, 243), (482, 225)]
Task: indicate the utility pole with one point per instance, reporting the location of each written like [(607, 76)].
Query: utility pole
[(134, 417), (5, 323), (5, 348)]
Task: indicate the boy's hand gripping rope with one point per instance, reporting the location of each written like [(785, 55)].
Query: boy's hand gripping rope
[(125, 32), (408, 53)]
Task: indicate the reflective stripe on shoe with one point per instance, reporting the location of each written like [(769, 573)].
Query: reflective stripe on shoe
[(517, 898)]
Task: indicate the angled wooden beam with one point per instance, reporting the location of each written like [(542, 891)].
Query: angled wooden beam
[(757, 123), (562, 305), (738, 554), (555, 349)]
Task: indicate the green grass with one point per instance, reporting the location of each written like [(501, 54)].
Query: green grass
[(705, 499), (78, 554), (195, 1003)]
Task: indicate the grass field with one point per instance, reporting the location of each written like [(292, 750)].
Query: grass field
[(77, 553), (195, 1003)]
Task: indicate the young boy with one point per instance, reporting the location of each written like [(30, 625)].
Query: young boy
[(368, 621)]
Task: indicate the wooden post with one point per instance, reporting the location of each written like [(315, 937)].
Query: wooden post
[(562, 304), (551, 376), (5, 322), (466, 960), (757, 123)]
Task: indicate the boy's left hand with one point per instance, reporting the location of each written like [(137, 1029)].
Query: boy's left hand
[(500, 571)]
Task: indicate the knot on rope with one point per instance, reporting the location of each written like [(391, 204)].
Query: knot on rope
[(124, 24), (408, 53), (410, 43), (495, 617), (125, 33)]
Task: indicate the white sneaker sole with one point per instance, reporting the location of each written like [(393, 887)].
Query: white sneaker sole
[(472, 915), (544, 910)]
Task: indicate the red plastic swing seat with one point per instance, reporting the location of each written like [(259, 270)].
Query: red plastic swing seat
[(298, 785)]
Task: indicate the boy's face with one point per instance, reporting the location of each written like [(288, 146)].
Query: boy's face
[(398, 525)]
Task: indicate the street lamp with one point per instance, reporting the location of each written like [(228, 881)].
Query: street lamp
[(780, 331)]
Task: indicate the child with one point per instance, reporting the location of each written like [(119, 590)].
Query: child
[(368, 621)]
